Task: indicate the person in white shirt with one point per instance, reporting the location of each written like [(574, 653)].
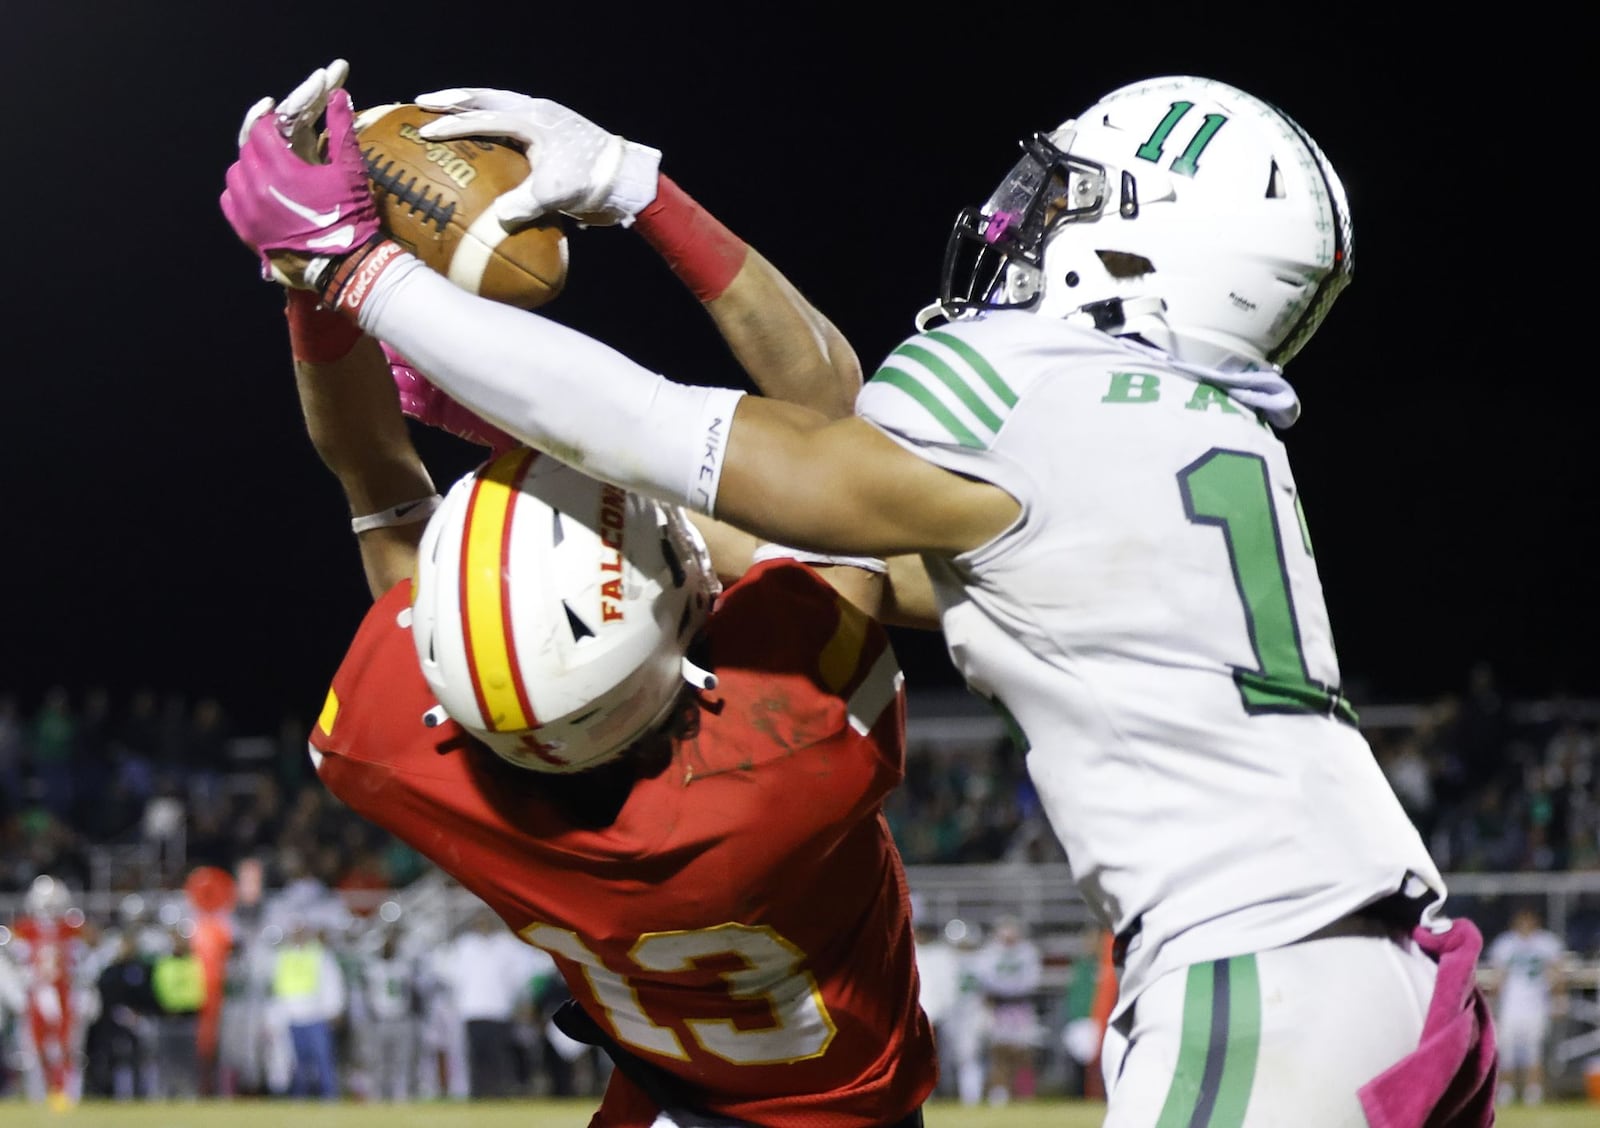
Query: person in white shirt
[(489, 971), (939, 981), (1525, 962), (1010, 970)]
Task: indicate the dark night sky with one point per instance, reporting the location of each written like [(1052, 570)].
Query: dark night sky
[(168, 524)]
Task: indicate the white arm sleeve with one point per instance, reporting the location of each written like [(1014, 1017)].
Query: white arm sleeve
[(556, 389)]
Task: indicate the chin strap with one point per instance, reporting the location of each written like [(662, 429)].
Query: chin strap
[(697, 677), (1114, 313), (928, 314)]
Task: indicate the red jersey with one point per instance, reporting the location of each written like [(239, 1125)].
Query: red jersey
[(743, 923), (52, 946)]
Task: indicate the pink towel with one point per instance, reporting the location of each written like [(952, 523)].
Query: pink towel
[(1449, 1080)]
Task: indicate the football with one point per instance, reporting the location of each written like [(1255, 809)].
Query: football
[(434, 196)]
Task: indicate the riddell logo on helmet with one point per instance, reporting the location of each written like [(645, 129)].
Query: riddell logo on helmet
[(613, 511)]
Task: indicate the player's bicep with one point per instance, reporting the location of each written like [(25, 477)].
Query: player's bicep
[(843, 486)]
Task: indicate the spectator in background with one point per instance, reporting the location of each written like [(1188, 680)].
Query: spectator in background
[(489, 971), (53, 739), (13, 753), (93, 769), (1527, 983), (443, 1037), (178, 983), (939, 974), (118, 1046), (1010, 970), (1482, 729), (1091, 994), (173, 734), (967, 1025), (206, 749), (1406, 766), (139, 733), (309, 991), (391, 985), (13, 1003)]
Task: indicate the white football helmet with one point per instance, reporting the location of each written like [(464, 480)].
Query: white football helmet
[(552, 612), (1180, 209), (48, 898)]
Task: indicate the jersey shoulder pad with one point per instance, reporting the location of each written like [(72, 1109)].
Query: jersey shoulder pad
[(783, 621), (945, 386), (375, 704), (960, 383)]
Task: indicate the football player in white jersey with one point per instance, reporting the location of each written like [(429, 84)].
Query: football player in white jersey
[(1526, 964), (1086, 455)]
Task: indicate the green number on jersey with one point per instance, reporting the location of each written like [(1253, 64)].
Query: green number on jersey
[(1231, 490)]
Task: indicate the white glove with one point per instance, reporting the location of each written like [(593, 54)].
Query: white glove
[(297, 114), (578, 168)]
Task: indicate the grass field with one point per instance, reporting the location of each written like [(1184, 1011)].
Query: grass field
[(575, 1114)]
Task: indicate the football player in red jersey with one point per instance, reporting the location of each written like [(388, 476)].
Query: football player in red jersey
[(50, 938), (674, 790)]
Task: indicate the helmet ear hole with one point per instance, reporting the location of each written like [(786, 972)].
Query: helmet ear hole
[(1123, 264), (1072, 278), (580, 630), (1275, 188)]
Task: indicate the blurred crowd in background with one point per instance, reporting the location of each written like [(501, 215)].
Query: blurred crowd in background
[(1493, 785), (328, 987)]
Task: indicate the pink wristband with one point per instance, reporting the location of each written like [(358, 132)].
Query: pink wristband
[(703, 253), (317, 335)]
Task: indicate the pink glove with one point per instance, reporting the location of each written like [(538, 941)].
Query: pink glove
[(276, 201), (424, 402)]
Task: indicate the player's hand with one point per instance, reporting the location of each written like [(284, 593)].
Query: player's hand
[(422, 400), (303, 211), (296, 116), (578, 168)]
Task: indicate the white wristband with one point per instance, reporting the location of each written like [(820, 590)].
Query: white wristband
[(406, 513), (556, 389), (711, 447)]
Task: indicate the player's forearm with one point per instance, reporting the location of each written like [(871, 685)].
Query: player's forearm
[(353, 419), (554, 388), (352, 416), (787, 347)]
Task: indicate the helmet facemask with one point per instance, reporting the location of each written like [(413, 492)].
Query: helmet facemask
[(995, 256)]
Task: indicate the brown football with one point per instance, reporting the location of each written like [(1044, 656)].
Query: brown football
[(434, 196)]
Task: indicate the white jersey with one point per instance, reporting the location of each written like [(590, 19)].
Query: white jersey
[(1524, 963), (1154, 627)]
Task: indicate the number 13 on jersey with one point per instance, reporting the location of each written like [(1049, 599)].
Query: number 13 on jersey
[(774, 975)]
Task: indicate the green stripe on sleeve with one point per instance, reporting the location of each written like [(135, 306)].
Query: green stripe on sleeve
[(951, 379), (1244, 1043), (909, 385), (979, 365), (1184, 1093)]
